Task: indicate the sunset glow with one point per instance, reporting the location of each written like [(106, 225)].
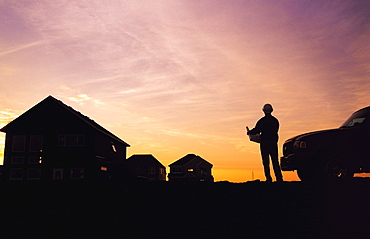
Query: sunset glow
[(177, 77)]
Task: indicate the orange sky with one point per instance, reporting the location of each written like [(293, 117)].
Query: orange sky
[(178, 77)]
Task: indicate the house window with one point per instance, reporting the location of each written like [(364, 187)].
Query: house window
[(77, 173), (57, 174), (34, 174), (71, 140), (103, 168), (36, 143), (161, 171), (190, 170), (177, 170), (17, 160), (16, 174), (151, 170), (114, 149), (19, 143), (34, 160)]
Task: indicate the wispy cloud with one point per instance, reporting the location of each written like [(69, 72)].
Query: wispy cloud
[(80, 98), (83, 98), (7, 115), (22, 47)]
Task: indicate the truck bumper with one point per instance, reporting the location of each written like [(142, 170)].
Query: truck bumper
[(295, 161)]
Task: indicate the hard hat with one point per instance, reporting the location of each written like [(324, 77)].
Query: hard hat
[(267, 108)]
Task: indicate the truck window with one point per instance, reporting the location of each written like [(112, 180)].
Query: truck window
[(356, 119)]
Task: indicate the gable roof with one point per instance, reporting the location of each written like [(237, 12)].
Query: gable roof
[(186, 159), (143, 159), (50, 101)]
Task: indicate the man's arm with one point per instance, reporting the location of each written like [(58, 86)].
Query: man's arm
[(256, 129)]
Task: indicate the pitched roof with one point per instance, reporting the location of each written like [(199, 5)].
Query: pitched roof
[(186, 159), (143, 159), (57, 103)]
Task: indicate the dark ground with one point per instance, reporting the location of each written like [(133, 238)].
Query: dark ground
[(175, 210)]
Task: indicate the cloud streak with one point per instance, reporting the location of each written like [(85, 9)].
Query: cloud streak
[(20, 48)]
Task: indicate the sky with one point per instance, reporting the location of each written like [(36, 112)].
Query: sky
[(186, 76)]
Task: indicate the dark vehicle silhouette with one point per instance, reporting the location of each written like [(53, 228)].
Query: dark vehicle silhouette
[(331, 154)]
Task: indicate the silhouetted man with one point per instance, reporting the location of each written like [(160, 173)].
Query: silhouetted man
[(268, 127)]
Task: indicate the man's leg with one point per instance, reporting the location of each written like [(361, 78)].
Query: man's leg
[(275, 163), (266, 161)]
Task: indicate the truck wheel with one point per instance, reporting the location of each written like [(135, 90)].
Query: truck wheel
[(303, 175), (337, 169), (307, 175)]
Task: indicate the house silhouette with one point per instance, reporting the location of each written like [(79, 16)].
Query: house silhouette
[(191, 168), (147, 167), (53, 142)]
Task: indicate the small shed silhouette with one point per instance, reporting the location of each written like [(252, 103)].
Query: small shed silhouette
[(53, 142), (191, 168), (146, 166)]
